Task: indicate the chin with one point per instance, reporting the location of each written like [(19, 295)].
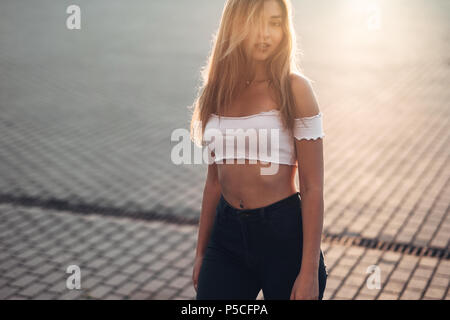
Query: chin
[(261, 57)]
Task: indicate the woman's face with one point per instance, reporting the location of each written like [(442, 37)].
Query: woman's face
[(261, 43)]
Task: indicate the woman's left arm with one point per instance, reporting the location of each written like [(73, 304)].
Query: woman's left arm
[(311, 180)]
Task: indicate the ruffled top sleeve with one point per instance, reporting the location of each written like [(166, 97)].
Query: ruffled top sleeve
[(309, 128)]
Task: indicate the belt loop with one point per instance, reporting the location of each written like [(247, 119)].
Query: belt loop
[(263, 214)]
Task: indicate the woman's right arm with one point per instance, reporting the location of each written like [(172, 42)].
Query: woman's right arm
[(211, 197)]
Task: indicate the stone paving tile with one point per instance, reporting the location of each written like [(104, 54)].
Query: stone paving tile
[(100, 291)]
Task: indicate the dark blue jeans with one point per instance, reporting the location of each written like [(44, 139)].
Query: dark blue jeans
[(254, 249)]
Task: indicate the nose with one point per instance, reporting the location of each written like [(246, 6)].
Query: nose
[(264, 31)]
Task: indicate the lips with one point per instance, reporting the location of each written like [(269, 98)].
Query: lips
[(262, 45)]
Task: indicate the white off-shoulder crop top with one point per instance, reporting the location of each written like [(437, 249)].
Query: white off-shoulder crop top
[(259, 136)]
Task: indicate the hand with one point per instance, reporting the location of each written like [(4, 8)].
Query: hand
[(197, 264), (306, 286)]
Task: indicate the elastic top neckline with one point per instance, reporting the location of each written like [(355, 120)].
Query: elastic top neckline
[(249, 116), (269, 112)]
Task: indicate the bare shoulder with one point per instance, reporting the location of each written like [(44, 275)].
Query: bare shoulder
[(304, 96)]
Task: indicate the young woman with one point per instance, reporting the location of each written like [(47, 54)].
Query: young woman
[(256, 230)]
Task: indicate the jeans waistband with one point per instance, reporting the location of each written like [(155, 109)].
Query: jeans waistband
[(290, 200)]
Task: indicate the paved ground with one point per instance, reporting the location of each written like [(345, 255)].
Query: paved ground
[(86, 118), (121, 258)]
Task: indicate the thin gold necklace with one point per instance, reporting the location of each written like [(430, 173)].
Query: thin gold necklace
[(258, 81)]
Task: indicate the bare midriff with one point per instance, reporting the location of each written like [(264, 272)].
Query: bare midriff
[(245, 187)]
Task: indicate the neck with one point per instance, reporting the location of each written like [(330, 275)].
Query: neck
[(260, 71)]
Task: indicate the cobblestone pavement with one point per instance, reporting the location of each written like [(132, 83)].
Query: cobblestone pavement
[(121, 258), (85, 125)]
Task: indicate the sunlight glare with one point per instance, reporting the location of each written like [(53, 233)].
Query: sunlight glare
[(369, 11)]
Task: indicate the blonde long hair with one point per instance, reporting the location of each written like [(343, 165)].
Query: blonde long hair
[(228, 65)]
